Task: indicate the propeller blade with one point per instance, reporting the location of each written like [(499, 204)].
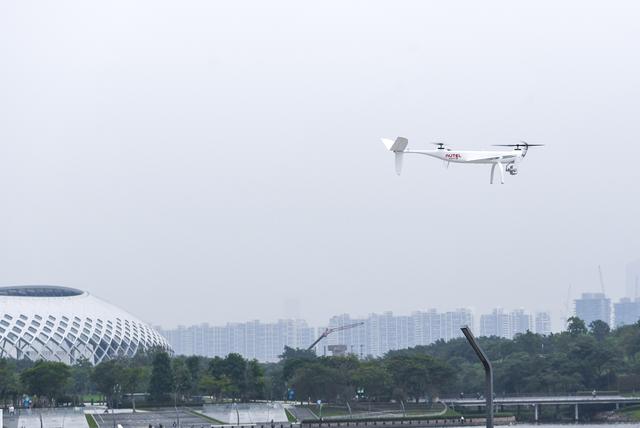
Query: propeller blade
[(523, 143)]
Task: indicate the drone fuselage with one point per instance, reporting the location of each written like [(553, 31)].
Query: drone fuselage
[(472, 156)]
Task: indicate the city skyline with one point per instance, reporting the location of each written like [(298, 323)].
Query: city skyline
[(370, 336), (355, 316), (560, 309), (378, 333)]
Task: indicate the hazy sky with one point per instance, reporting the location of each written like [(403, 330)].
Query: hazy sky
[(198, 161)]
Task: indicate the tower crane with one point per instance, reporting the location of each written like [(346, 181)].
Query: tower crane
[(328, 331), (601, 279)]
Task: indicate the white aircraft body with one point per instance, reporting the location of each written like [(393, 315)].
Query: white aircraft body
[(504, 160)]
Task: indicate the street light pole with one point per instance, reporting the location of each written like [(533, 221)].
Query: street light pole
[(175, 406), (488, 371)]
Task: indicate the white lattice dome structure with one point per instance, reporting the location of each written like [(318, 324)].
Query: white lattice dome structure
[(65, 324)]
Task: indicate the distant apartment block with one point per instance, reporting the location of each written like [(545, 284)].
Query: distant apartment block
[(262, 341), (386, 332), (633, 279), (626, 312), (506, 325), (495, 324), (593, 306), (379, 333), (543, 323)]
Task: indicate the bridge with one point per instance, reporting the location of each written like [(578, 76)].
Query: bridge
[(537, 401)]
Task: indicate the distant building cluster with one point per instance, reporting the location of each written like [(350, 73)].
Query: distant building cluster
[(262, 341), (626, 312), (593, 306), (385, 332), (597, 306), (508, 324), (378, 334)]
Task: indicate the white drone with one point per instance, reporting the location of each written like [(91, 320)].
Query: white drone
[(508, 160)]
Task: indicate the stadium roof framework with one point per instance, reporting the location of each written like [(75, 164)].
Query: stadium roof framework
[(46, 322)]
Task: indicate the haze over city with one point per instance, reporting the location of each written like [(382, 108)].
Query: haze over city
[(226, 158)]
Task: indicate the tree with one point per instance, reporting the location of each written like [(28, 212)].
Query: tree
[(576, 326), (8, 380), (181, 378), (47, 379), (214, 387), (161, 381), (194, 364), (599, 329), (317, 381), (81, 374), (108, 377), (417, 375), (374, 379), (254, 381), (274, 383), (292, 359), (208, 385), (132, 380), (235, 370)]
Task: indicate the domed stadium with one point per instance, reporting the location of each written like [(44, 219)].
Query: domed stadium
[(45, 322)]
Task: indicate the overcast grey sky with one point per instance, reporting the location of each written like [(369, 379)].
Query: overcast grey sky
[(198, 161)]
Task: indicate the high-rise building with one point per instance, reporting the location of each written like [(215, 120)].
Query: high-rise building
[(521, 322), (497, 323), (626, 312), (378, 334), (253, 339), (451, 322), (386, 332), (543, 323), (505, 325), (633, 279), (593, 306)]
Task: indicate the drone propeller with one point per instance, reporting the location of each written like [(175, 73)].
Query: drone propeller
[(518, 145), (441, 146)]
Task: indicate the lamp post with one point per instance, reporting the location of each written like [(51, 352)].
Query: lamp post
[(488, 372), (116, 391), (175, 406)]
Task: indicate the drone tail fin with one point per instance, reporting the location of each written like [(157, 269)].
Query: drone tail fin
[(397, 147)]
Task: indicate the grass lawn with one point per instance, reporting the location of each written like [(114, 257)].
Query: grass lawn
[(632, 412), (92, 422), (290, 417), (202, 415)]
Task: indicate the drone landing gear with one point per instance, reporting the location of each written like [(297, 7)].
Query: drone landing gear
[(493, 170)]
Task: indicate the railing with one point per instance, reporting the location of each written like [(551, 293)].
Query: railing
[(532, 394), (400, 423)]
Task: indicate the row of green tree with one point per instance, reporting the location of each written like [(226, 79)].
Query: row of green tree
[(156, 376), (579, 359)]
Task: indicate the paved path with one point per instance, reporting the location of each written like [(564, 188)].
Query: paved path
[(52, 418), (302, 413)]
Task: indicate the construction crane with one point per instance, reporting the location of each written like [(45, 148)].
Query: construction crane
[(566, 306), (601, 279), (328, 331)]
